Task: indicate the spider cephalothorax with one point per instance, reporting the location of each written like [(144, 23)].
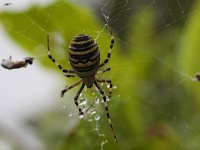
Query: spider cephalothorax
[(84, 58)]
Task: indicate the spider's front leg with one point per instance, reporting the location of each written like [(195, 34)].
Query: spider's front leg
[(110, 50), (103, 70), (67, 73)]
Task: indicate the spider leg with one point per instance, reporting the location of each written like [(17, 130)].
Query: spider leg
[(76, 98), (101, 71), (106, 108), (67, 88), (110, 50), (110, 86), (69, 75), (65, 71)]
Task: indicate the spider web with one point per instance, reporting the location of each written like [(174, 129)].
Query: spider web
[(174, 19), (104, 9), (183, 77)]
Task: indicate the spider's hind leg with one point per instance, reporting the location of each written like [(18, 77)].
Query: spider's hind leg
[(106, 108), (110, 86)]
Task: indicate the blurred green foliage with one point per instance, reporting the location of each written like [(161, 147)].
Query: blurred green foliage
[(155, 105)]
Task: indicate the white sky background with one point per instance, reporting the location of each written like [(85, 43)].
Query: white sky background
[(23, 91)]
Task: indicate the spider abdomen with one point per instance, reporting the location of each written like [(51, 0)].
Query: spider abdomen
[(84, 56)]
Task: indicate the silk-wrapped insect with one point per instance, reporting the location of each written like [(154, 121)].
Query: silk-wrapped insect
[(10, 64)]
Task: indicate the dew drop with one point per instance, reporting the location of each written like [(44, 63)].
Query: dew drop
[(84, 102), (80, 116), (97, 101), (114, 87), (107, 99), (90, 120), (106, 17), (93, 112), (97, 118), (70, 114)]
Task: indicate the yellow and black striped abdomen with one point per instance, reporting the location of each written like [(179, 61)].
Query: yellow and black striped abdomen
[(84, 55)]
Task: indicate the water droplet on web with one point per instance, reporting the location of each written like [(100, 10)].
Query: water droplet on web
[(107, 99), (97, 101), (70, 114), (97, 118), (106, 17), (90, 120), (81, 116), (103, 143), (93, 112), (83, 102), (114, 87)]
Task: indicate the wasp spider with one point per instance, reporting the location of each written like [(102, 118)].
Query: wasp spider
[(84, 58)]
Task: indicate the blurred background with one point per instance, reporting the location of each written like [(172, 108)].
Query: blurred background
[(156, 99)]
